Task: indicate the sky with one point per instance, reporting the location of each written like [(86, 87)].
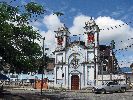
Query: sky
[(110, 15)]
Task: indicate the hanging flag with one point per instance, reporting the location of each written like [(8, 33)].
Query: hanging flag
[(58, 13), (116, 26)]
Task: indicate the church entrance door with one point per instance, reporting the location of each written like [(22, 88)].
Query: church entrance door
[(75, 82)]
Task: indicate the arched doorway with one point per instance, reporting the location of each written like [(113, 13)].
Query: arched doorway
[(74, 82)]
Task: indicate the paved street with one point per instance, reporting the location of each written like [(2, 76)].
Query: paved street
[(68, 95), (90, 96)]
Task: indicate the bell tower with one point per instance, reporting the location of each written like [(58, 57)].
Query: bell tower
[(92, 45), (62, 35), (92, 33)]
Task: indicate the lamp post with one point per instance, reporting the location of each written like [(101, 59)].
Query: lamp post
[(0, 58), (112, 58), (42, 66), (0, 62), (102, 65)]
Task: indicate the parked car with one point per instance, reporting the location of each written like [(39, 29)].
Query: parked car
[(111, 86)]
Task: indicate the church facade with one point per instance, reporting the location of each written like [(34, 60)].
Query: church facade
[(76, 63)]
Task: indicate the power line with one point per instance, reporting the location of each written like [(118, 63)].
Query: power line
[(113, 27), (117, 26)]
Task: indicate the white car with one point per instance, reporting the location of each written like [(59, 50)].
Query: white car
[(111, 86)]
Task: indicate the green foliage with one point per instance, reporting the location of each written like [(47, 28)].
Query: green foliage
[(34, 8), (17, 46)]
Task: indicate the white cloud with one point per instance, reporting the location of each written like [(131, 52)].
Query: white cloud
[(52, 22), (118, 34), (49, 36), (49, 39), (36, 23), (78, 24)]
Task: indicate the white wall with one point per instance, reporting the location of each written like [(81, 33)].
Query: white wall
[(111, 77)]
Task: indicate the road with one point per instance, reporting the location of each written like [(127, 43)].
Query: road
[(90, 96), (68, 95)]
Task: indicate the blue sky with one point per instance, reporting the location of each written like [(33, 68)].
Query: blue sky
[(107, 13), (118, 9)]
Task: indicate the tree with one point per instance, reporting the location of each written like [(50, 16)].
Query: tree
[(17, 37)]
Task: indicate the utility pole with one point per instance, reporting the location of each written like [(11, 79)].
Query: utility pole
[(112, 67), (102, 66), (112, 47), (42, 66), (112, 62), (102, 72), (62, 73)]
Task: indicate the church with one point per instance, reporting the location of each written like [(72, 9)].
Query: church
[(76, 63)]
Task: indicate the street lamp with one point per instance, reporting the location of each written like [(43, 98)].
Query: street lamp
[(42, 66), (0, 62)]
